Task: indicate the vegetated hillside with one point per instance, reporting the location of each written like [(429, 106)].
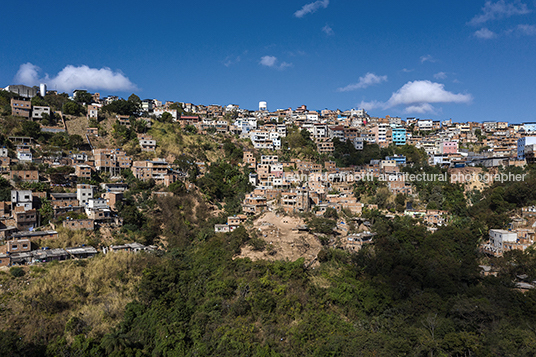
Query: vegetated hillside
[(411, 293), (176, 141), (414, 294), (172, 140), (62, 300)]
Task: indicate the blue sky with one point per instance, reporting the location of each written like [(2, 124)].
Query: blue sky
[(469, 61)]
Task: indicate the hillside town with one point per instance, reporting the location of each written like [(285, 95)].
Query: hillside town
[(268, 179), (280, 182)]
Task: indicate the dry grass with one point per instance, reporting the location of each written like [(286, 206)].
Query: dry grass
[(172, 142), (77, 125), (93, 292), (69, 238)]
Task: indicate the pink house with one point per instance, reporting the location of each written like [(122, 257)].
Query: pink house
[(449, 147)]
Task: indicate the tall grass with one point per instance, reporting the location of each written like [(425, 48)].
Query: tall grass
[(89, 294), (70, 238), (172, 140)]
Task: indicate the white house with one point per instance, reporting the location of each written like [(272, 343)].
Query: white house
[(521, 143), (497, 238), (425, 124)]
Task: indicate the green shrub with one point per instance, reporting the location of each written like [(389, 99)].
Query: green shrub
[(17, 272)]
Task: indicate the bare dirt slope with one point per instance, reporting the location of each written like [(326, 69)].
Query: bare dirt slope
[(76, 125), (283, 240), (470, 176)]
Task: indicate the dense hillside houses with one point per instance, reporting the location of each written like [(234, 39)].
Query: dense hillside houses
[(421, 207), (292, 184), (315, 183)]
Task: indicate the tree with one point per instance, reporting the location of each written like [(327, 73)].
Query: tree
[(122, 134), (305, 134), (187, 165), (322, 225), (139, 126), (400, 201), (5, 190), (178, 107), (345, 153), (5, 100), (225, 181), (413, 154), (232, 152), (31, 129), (76, 141), (82, 96), (190, 129), (478, 134), (60, 140), (17, 272), (367, 187), (38, 101), (72, 108), (134, 99), (382, 197), (56, 101), (121, 107), (45, 119), (166, 117), (46, 211), (331, 213)]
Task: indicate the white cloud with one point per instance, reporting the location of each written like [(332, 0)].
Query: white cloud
[(421, 92), (27, 74), (271, 61), (311, 7), (440, 75), (229, 61), (71, 77), (485, 34), (418, 96), (374, 104), (407, 70), (529, 30), (268, 61), (420, 108), (499, 10), (285, 65), (428, 58), (328, 30), (364, 82)]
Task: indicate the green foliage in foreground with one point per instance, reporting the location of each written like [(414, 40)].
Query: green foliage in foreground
[(414, 294), (225, 182)]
